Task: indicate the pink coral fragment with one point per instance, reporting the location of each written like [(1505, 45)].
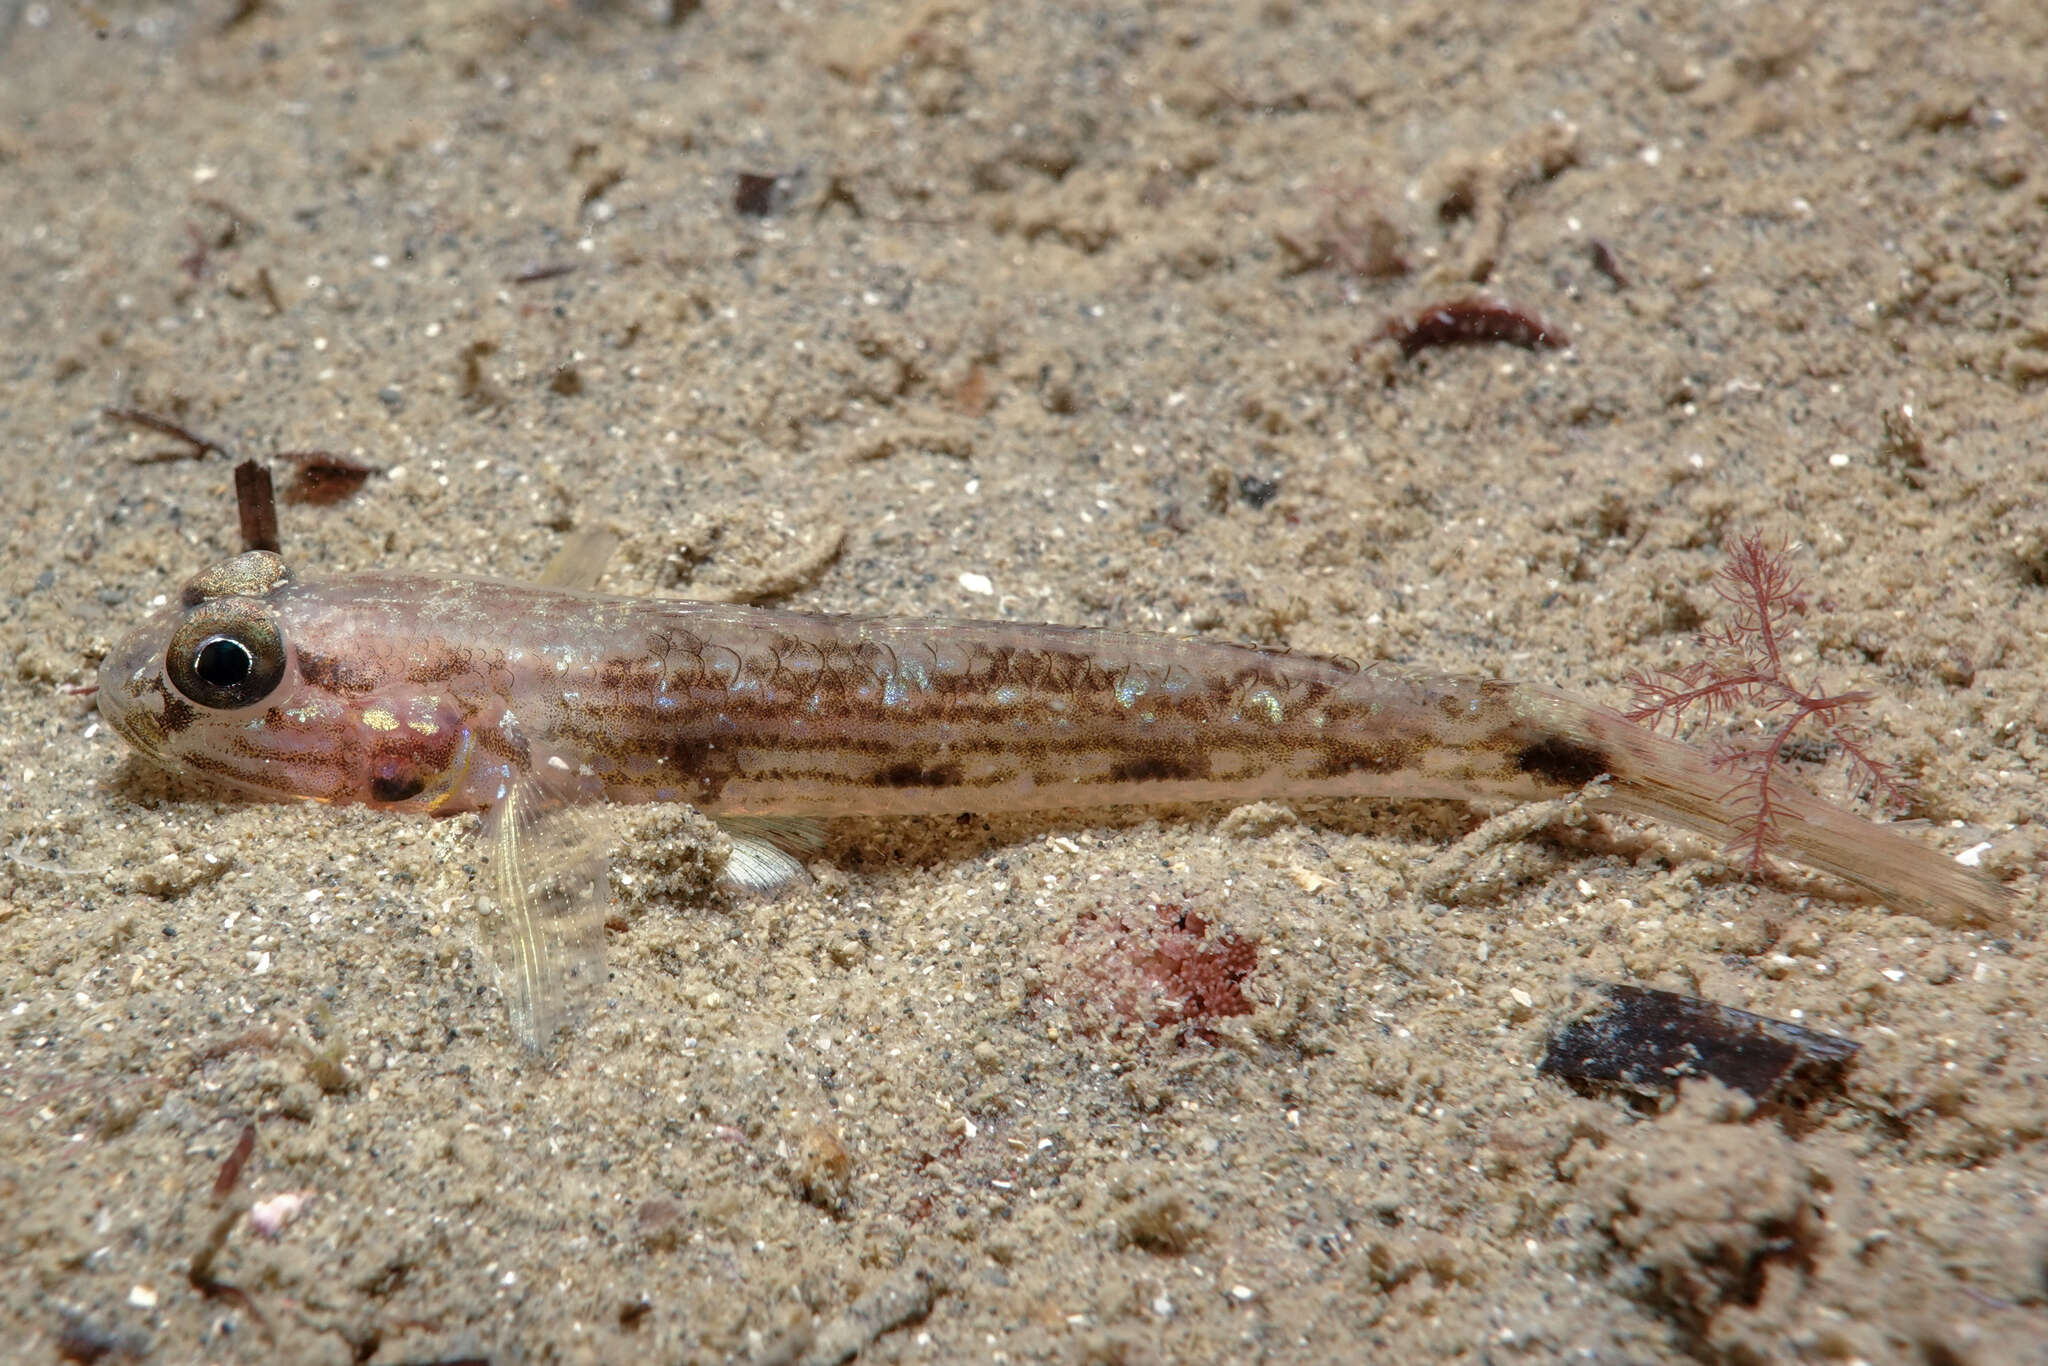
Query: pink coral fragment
[(269, 1217)]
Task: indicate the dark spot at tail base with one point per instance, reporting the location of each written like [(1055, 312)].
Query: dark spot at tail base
[(1565, 762)]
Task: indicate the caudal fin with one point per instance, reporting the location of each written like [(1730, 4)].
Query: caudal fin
[(1656, 776)]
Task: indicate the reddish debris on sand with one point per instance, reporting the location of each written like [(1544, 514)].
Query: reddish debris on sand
[(325, 478), (1161, 971), (1477, 318)]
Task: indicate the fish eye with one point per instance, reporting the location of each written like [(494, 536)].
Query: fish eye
[(223, 662), (225, 658)]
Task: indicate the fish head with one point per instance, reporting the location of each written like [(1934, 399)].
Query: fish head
[(213, 684)]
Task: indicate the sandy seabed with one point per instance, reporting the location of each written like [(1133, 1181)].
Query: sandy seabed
[(1069, 313)]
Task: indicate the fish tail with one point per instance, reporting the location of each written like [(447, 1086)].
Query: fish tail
[(1656, 776)]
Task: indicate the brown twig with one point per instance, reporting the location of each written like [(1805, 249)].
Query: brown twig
[(201, 446), (231, 1170), (256, 504)]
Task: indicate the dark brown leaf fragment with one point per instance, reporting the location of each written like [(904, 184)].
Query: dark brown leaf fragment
[(754, 194), (1605, 261), (1648, 1040), (324, 478), (84, 1341), (268, 288)]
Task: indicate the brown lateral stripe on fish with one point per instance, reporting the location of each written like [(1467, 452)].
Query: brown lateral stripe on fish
[(445, 695)]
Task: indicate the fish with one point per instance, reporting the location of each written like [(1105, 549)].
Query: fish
[(539, 705)]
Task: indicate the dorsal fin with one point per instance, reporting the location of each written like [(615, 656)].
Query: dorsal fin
[(580, 560)]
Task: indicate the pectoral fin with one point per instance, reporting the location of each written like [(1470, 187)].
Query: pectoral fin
[(543, 929)]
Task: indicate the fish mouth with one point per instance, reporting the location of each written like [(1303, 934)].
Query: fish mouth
[(131, 691)]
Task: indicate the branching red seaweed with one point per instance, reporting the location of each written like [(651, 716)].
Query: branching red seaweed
[(1743, 667)]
